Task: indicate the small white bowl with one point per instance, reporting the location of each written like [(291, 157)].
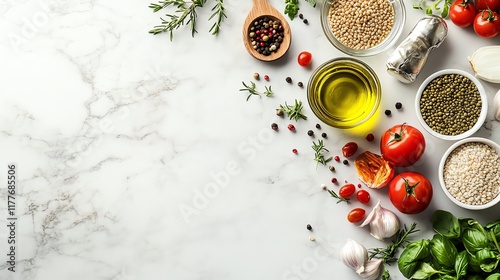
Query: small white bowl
[(482, 116), (488, 142)]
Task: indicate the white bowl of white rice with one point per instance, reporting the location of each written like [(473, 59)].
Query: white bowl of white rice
[(469, 173)]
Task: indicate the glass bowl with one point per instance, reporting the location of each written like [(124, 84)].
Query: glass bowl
[(436, 107), (468, 171), (344, 92), (395, 32)]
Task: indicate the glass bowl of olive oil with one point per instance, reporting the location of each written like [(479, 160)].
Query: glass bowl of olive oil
[(344, 92)]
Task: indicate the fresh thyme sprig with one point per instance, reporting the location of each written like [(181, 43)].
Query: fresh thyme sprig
[(294, 111), (319, 150), (339, 198), (387, 254), (253, 91), (185, 14)]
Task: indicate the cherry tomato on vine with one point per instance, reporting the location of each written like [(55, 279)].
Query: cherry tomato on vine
[(487, 24), (347, 190), (363, 196), (493, 5), (463, 13), (410, 192), (402, 145), (304, 58), (349, 149), (356, 215)]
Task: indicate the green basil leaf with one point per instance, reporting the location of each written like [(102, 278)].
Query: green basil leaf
[(461, 264), (488, 261), (495, 276), (495, 228), (474, 240), (474, 264), (447, 277), (443, 250), (409, 259), (446, 224), (424, 271)]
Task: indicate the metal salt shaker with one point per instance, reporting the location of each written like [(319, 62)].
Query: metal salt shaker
[(410, 56)]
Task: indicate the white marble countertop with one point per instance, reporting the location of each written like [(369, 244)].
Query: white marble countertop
[(138, 158)]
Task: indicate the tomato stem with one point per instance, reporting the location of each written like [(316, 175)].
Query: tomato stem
[(410, 189), (396, 137)]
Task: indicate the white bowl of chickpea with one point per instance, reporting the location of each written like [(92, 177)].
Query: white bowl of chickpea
[(469, 173), (363, 27)]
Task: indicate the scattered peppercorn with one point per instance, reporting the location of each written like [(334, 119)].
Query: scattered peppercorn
[(331, 167), (323, 135), (345, 162), (288, 80), (310, 132), (309, 227), (300, 84), (279, 112), (334, 180), (274, 126), (398, 105), (318, 126), (323, 186), (305, 21), (370, 137), (387, 112), (256, 76), (337, 158), (359, 185), (301, 16), (266, 77), (294, 151), (291, 127)]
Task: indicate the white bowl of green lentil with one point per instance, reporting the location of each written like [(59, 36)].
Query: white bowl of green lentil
[(363, 27), (469, 173), (451, 104)]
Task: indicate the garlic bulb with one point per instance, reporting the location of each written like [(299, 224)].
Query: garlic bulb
[(354, 255), (372, 269), (383, 222), (485, 63), (496, 105)]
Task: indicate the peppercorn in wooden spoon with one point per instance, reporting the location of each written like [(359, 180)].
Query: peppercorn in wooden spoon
[(266, 33)]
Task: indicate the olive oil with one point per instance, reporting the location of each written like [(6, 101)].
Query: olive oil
[(344, 93)]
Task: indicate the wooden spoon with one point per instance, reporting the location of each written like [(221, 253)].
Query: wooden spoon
[(260, 9)]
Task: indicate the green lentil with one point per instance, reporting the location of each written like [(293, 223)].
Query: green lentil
[(450, 104)]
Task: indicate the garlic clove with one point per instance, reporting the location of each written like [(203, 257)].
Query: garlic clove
[(372, 271), (383, 222), (354, 255), (485, 63), (496, 105)]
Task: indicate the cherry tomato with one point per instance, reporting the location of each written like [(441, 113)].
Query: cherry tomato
[(347, 190), (402, 145), (373, 170), (304, 58), (356, 215), (463, 13), (410, 192), (349, 149), (493, 5), (363, 196), (487, 24)]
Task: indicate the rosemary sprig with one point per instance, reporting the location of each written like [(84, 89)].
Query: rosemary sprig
[(319, 150), (339, 198), (387, 254), (253, 91), (185, 14), (294, 111)]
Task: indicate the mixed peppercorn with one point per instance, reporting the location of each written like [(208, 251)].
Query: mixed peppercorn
[(266, 35)]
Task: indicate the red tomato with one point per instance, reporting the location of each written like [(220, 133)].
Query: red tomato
[(349, 149), (463, 13), (363, 196), (493, 5), (402, 145), (304, 58), (347, 190), (487, 24), (410, 192), (356, 215)]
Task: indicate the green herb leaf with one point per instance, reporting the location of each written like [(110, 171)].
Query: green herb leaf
[(495, 276), (339, 198), (461, 264), (319, 153), (294, 111), (425, 271), (488, 260), (443, 250), (446, 224), (409, 260), (474, 240), (253, 91)]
